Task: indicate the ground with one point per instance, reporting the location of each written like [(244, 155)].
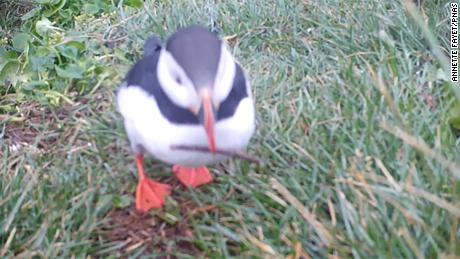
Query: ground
[(357, 129)]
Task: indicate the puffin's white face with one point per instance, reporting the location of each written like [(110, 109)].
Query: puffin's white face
[(175, 82), (181, 90), (202, 100)]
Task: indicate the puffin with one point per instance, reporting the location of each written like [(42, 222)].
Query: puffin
[(187, 90)]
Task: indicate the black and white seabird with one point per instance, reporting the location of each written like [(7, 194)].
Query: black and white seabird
[(188, 92)]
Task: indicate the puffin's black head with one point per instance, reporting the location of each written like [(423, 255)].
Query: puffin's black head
[(197, 51), (196, 71)]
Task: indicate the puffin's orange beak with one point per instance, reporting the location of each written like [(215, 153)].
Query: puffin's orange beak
[(208, 119)]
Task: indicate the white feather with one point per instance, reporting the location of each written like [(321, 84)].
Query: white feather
[(225, 74), (184, 94), (146, 126)]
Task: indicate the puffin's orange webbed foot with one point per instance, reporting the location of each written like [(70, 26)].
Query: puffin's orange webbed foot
[(149, 194), (192, 176)]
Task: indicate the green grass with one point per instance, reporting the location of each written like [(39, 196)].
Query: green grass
[(355, 118)]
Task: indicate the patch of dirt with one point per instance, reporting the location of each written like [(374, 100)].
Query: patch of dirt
[(25, 128), (15, 131), (136, 229), (12, 11)]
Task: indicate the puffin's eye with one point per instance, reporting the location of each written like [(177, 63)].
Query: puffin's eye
[(178, 80)]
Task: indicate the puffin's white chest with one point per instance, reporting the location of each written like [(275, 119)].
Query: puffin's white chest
[(146, 126)]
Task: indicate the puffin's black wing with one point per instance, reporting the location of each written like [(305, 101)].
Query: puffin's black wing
[(239, 91), (198, 52)]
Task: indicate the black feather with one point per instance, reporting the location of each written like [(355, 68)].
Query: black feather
[(152, 45), (143, 75), (239, 91)]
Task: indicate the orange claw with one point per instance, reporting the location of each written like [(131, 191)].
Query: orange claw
[(192, 176), (149, 194)]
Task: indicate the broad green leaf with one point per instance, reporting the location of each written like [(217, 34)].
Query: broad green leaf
[(9, 70), (80, 46), (134, 3), (44, 51), (106, 6), (20, 41), (66, 14), (35, 84), (41, 63), (90, 8), (11, 55), (70, 71), (8, 56), (69, 52)]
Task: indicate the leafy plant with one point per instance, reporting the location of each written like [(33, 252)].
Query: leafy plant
[(53, 49)]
